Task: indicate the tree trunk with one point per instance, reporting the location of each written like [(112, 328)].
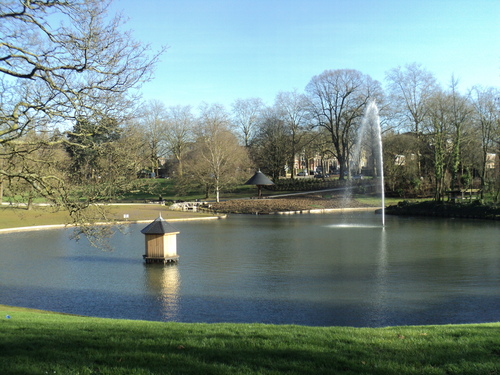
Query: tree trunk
[(29, 207), (456, 160), (482, 175), (179, 166), (439, 169), (343, 169), (217, 192)]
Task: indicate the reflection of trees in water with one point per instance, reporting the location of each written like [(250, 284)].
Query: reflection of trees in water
[(164, 281)]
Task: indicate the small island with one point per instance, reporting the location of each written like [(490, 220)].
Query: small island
[(468, 210)]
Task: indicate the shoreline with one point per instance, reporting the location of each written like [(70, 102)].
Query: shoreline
[(62, 226), (217, 216), (324, 211), (445, 210)]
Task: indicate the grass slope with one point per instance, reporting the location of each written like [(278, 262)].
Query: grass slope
[(37, 342)]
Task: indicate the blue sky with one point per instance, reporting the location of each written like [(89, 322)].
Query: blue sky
[(222, 50)]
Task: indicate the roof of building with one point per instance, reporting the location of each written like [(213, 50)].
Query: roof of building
[(159, 226), (259, 178)]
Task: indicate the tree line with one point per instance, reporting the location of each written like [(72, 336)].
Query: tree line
[(73, 130), (436, 139)]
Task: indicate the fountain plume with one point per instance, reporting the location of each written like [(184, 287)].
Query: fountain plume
[(370, 130)]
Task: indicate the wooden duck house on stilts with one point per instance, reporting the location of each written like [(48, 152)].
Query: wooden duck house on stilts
[(161, 242)]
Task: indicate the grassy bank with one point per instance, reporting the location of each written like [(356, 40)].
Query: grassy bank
[(37, 342), (13, 217)]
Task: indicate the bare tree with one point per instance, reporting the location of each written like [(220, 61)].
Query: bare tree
[(461, 118), (217, 159), (292, 107), (486, 103), (179, 133), (154, 123), (132, 151), (337, 102), (270, 148), (410, 89), (246, 114), (439, 124), (60, 62)]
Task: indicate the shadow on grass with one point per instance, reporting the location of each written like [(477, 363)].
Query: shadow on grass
[(52, 343)]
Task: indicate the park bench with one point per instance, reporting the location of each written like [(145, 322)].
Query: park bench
[(454, 195)]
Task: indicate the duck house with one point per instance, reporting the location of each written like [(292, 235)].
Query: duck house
[(160, 242)]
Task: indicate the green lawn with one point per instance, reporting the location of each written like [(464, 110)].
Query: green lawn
[(12, 217), (35, 342), (153, 188)]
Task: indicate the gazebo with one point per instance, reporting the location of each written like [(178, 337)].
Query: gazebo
[(161, 242), (259, 179)]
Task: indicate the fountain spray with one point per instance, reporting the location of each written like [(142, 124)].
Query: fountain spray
[(371, 121)]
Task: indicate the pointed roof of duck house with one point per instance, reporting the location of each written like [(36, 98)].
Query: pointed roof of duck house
[(259, 178), (159, 226)]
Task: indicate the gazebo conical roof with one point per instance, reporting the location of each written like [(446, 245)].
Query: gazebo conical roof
[(159, 226), (259, 178)]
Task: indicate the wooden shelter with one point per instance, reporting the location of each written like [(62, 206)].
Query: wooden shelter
[(161, 242), (259, 179)]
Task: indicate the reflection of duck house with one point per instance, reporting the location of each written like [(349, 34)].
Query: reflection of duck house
[(161, 242)]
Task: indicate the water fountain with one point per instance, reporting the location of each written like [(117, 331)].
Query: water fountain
[(370, 141), (295, 271)]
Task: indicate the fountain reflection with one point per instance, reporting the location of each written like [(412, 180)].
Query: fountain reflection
[(380, 303), (348, 225), (164, 282)]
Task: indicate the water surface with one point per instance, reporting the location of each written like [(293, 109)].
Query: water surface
[(318, 270)]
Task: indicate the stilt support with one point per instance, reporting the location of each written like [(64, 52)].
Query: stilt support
[(165, 260)]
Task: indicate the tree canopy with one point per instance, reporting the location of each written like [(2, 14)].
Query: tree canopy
[(63, 64)]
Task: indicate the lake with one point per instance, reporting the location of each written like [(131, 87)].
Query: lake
[(317, 270)]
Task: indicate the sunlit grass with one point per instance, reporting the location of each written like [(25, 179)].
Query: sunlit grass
[(377, 200), (35, 342), (13, 217)]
